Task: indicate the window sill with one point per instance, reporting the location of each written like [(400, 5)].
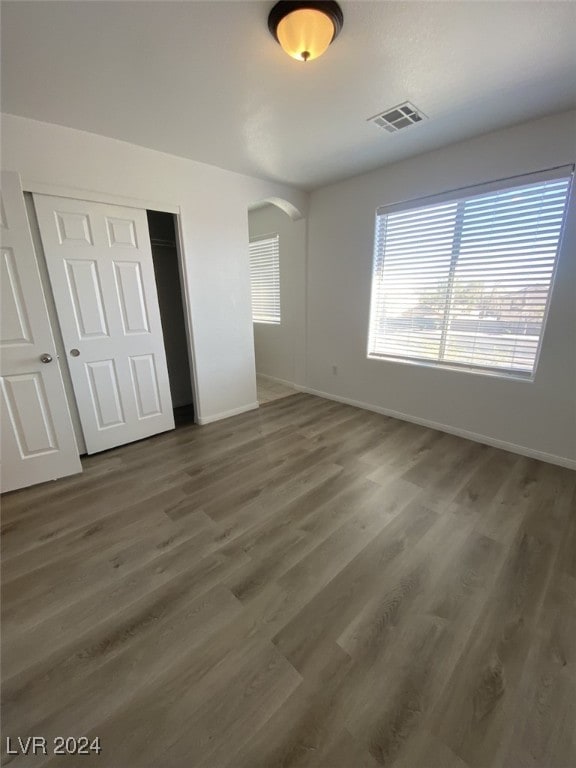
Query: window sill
[(493, 373)]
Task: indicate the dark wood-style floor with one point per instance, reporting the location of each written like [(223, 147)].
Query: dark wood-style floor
[(304, 585)]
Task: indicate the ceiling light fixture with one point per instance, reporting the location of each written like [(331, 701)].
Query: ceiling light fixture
[(305, 29)]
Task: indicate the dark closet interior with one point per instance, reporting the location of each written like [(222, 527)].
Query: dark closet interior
[(162, 227)]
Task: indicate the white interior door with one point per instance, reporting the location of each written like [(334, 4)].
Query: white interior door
[(37, 437), (100, 265)]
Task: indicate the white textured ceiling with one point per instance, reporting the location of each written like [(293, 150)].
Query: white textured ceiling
[(205, 80)]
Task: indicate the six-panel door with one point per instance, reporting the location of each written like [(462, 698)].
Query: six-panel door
[(100, 265), (38, 441)]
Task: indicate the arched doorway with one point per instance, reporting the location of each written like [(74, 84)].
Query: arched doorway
[(277, 234)]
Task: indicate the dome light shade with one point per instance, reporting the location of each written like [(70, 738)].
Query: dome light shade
[(305, 34), (305, 29)]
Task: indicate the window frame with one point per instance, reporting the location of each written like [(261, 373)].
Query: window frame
[(257, 239), (458, 194)]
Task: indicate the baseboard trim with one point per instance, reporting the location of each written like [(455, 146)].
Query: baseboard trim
[(277, 380), (226, 414), (550, 458)]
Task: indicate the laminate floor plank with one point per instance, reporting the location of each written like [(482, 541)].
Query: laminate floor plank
[(97, 641), (306, 585), (93, 507), (119, 672), (477, 709)]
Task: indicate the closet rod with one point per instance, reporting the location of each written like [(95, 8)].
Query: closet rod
[(158, 241)]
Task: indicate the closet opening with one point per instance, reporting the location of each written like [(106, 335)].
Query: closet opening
[(162, 228)]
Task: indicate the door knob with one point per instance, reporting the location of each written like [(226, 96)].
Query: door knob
[(46, 358), (75, 352)]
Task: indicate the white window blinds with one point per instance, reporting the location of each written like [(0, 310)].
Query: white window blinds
[(465, 282), (265, 278)]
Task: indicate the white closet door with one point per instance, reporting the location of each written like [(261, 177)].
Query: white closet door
[(100, 265), (37, 437)]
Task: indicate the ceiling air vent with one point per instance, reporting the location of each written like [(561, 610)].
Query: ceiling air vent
[(398, 117)]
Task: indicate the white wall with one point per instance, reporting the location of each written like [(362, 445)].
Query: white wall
[(213, 205), (537, 417), (280, 349)]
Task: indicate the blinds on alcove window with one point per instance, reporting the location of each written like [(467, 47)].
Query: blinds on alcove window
[(265, 279)]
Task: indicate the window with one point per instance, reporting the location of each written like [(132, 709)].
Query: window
[(464, 280), (265, 278)]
